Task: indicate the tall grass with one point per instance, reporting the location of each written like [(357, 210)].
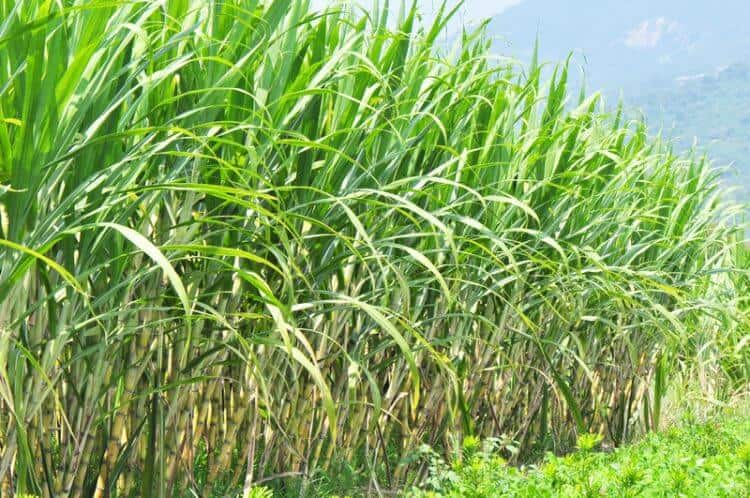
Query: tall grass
[(267, 240)]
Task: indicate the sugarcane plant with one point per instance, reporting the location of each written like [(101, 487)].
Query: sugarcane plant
[(263, 239)]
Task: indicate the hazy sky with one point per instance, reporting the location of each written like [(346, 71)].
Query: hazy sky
[(472, 11)]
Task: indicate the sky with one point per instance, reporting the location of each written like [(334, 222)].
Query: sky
[(472, 11)]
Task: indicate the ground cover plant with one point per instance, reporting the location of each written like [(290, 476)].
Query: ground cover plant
[(695, 460), (242, 243)]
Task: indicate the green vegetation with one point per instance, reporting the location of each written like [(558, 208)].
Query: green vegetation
[(242, 243), (697, 460)]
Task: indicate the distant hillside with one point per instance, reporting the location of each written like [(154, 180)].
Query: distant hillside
[(712, 108), (685, 64), (628, 45)]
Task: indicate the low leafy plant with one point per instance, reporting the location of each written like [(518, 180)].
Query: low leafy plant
[(697, 460), (588, 442)]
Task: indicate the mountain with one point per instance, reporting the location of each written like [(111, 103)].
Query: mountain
[(684, 63), (628, 45), (713, 108)]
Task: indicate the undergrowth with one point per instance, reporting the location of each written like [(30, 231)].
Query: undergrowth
[(694, 460)]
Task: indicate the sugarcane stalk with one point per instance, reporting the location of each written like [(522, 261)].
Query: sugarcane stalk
[(249, 467), (238, 411), (215, 422), (179, 450), (5, 449), (118, 436)]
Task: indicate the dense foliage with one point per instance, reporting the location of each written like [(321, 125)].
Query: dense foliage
[(697, 460), (256, 240)]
